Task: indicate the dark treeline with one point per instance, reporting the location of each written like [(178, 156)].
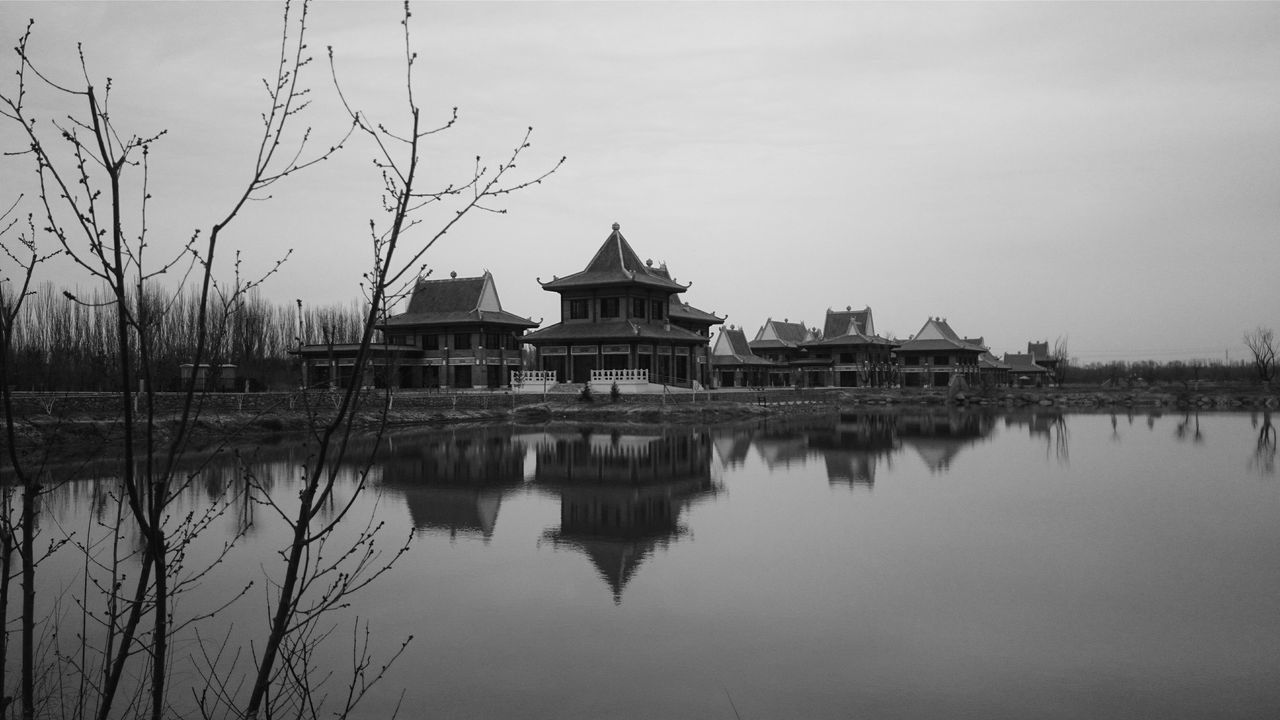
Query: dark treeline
[(1122, 372), (65, 340)]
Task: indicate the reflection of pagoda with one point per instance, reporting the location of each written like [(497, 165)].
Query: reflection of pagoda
[(852, 447), (454, 482), (731, 445), (621, 495), (939, 437)]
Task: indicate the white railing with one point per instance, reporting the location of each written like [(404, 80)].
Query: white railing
[(530, 378), (620, 376)]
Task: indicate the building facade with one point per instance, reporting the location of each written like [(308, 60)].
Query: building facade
[(622, 319), (454, 334)]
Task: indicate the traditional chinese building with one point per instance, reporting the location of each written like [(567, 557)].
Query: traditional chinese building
[(782, 342), (936, 355), (733, 362), (850, 354), (454, 334), (621, 321)]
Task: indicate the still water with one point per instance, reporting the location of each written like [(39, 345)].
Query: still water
[(863, 565)]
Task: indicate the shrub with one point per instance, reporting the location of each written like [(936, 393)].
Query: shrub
[(614, 393), (586, 395)]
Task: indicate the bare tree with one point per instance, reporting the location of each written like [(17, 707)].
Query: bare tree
[(1262, 344), (1062, 355), (310, 585), (93, 184)]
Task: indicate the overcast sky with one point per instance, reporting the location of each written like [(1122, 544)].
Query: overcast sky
[(1106, 172)]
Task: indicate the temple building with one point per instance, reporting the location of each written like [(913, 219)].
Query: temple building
[(782, 342), (454, 334), (936, 356), (850, 354), (733, 362), (621, 321)]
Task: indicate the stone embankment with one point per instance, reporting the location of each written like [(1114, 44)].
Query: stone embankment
[(1083, 398), (94, 419)]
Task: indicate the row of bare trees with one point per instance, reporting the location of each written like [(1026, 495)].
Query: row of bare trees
[(87, 200), (63, 339)]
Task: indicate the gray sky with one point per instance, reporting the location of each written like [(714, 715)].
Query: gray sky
[(1109, 172)]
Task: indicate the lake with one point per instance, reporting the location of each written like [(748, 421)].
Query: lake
[(857, 565)]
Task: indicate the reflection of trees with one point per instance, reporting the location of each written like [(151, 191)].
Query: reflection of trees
[(1189, 429), (1264, 453), (621, 494), (1051, 427)]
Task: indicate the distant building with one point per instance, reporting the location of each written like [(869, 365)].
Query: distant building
[(782, 342), (850, 354), (620, 319), (1024, 370), (733, 362), (454, 334), (1042, 356), (936, 355)]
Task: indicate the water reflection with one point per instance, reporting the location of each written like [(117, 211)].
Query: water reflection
[(1264, 454), (453, 482), (622, 493), (852, 445)]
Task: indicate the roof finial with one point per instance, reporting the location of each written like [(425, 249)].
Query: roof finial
[(616, 227)]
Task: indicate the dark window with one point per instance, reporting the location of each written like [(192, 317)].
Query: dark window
[(395, 340), (637, 307), (609, 307), (911, 360), (492, 340), (578, 309), (941, 360), (657, 309), (462, 341), (431, 342)]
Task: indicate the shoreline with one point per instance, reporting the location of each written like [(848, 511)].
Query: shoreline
[(59, 420)]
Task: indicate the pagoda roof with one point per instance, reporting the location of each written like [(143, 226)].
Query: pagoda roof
[(454, 301), (678, 309), (936, 334), (731, 348), (616, 263), (782, 334), (612, 330), (848, 322)]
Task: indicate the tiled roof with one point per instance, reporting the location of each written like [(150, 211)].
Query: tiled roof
[(455, 301), (457, 318), (612, 330), (935, 335), (1023, 363), (989, 361), (616, 263), (782, 333), (848, 322), (684, 311), (732, 348)]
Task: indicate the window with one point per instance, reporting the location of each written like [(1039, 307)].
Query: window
[(941, 360), (431, 342), (609, 307), (657, 309), (462, 341), (493, 340), (911, 360), (578, 310), (637, 307)]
